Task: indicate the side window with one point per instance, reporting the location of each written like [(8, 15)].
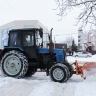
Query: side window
[(28, 39), (15, 39)]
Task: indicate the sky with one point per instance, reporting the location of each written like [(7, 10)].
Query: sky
[(42, 10)]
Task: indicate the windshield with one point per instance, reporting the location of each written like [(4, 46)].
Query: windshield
[(38, 39)]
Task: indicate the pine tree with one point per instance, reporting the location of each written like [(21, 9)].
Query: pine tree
[(73, 47)]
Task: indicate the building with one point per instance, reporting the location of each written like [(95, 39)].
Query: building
[(91, 40), (81, 39), (61, 46), (87, 41), (18, 24)]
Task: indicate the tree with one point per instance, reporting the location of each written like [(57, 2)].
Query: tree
[(68, 41), (87, 15), (73, 47)]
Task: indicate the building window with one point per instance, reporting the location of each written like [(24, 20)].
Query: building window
[(79, 36), (78, 44)]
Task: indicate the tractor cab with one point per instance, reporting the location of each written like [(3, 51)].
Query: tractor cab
[(28, 39)]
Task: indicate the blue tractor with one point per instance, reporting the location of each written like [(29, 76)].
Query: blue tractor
[(25, 54)]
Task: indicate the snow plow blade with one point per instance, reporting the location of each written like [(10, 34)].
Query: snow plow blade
[(86, 67)]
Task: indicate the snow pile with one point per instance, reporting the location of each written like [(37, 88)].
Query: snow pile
[(88, 86), (90, 72), (94, 56), (81, 60), (85, 89)]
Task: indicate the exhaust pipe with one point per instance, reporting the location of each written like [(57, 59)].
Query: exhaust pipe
[(51, 45), (51, 35)]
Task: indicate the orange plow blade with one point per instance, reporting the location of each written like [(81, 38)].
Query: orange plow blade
[(86, 67)]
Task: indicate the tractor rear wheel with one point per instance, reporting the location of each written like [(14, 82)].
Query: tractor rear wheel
[(59, 73), (14, 64)]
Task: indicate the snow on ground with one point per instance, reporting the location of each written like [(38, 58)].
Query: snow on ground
[(40, 85), (82, 60)]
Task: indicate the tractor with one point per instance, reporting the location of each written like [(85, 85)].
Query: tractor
[(24, 55)]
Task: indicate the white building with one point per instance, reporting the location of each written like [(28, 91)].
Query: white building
[(81, 39), (87, 40), (18, 24), (92, 39)]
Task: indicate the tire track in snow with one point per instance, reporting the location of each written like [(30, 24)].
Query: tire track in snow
[(18, 88), (42, 89)]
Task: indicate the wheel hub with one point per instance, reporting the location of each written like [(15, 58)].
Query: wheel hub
[(12, 65), (58, 74)]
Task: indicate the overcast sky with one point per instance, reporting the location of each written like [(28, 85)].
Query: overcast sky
[(41, 10)]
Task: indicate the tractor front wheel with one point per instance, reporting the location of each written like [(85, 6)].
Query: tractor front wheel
[(59, 73), (14, 64)]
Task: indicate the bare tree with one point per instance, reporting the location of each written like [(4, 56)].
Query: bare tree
[(68, 41), (87, 14)]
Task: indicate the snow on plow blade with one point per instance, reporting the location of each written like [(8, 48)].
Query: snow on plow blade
[(88, 66)]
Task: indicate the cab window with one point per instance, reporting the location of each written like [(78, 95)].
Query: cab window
[(28, 39), (15, 39)]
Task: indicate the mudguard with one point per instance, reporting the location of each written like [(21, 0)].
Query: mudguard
[(6, 49)]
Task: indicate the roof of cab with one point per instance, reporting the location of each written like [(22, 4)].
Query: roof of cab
[(24, 29)]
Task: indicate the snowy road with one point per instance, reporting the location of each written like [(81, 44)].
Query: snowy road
[(40, 85), (37, 86)]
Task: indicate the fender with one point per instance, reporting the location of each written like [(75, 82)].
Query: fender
[(6, 49)]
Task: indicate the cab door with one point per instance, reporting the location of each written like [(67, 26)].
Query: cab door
[(29, 44)]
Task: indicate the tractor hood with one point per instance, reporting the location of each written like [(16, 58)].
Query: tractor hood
[(59, 53)]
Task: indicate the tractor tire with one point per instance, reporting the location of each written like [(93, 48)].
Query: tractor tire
[(71, 74), (70, 68), (14, 64), (59, 73), (31, 72)]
